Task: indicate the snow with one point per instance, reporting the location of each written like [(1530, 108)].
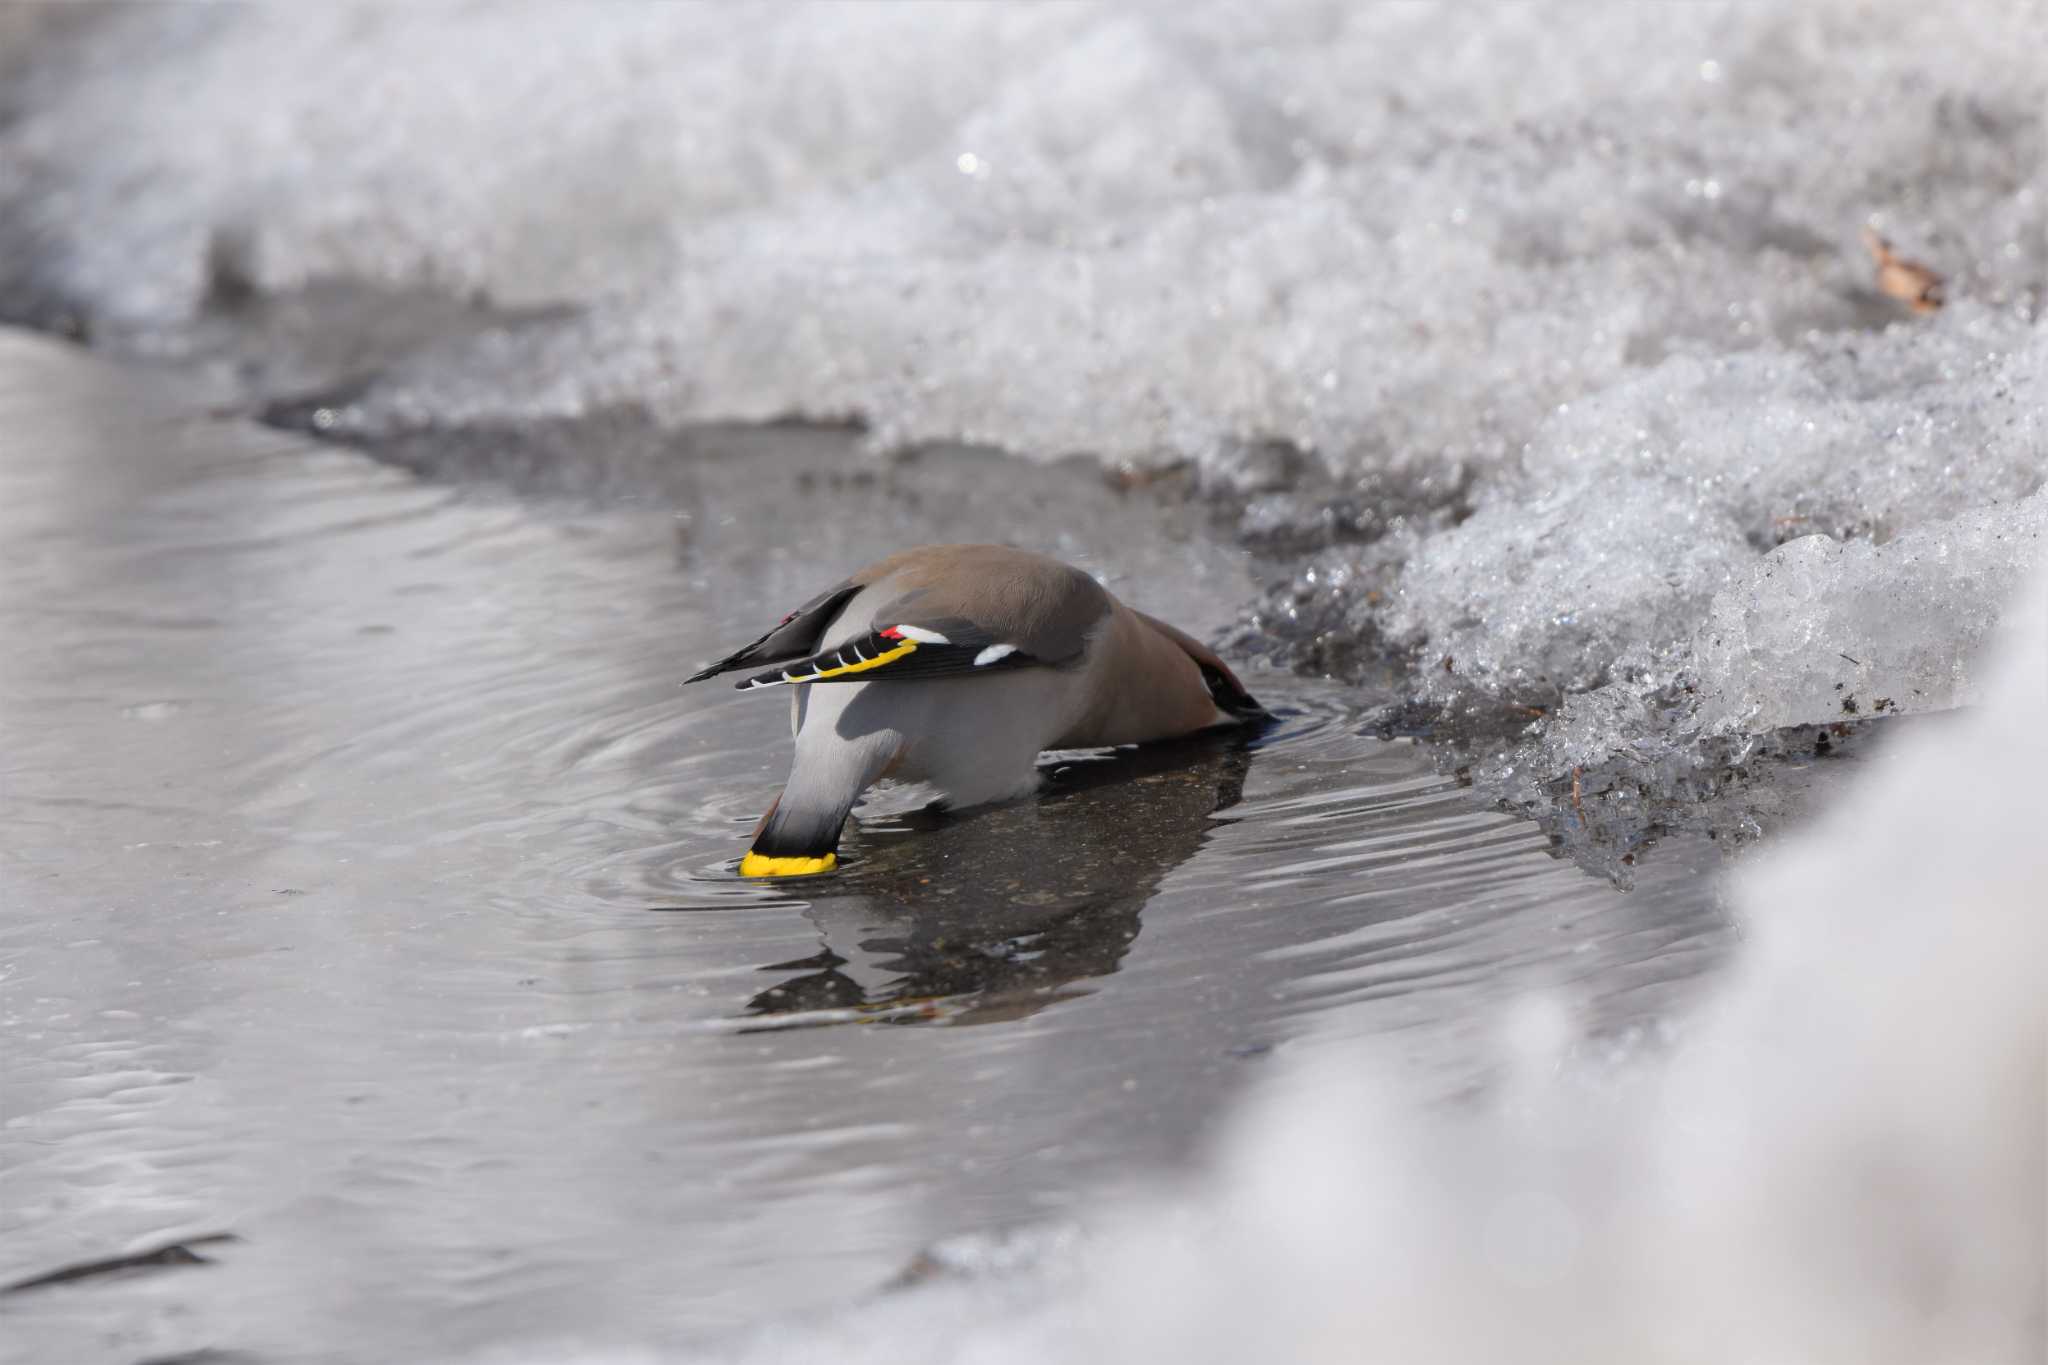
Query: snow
[(1639, 511), (1843, 1160), (1819, 626)]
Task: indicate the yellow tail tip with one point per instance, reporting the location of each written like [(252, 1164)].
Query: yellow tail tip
[(761, 865)]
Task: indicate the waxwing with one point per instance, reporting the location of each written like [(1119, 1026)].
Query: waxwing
[(956, 665)]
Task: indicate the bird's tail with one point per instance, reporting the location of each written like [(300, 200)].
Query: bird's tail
[(799, 836)]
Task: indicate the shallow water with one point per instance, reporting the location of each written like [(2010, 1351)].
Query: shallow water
[(368, 895)]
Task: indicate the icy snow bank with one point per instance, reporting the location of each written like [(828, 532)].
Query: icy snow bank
[(1708, 551), (1844, 1161), (1822, 628), (1589, 274), (1635, 507), (1398, 236)]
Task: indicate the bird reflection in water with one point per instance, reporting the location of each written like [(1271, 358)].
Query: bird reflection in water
[(995, 914)]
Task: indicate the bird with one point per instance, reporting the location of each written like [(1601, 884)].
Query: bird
[(956, 665)]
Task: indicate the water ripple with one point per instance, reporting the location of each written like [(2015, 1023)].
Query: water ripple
[(409, 941)]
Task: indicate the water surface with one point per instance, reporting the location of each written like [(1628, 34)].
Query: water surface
[(367, 893)]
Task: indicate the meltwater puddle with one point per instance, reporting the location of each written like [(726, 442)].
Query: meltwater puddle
[(1313, 868), (367, 897)]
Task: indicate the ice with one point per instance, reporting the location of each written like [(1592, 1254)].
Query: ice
[(1820, 627), (1532, 599), (1635, 508), (1522, 340)]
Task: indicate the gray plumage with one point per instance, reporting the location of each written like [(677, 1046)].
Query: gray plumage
[(956, 665)]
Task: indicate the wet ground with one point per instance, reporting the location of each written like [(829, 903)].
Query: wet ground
[(366, 892)]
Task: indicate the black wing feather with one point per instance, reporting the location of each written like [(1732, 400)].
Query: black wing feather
[(877, 656), (796, 634)]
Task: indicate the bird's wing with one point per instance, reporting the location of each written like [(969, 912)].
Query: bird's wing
[(961, 611), (1224, 688), (904, 649), (796, 634)]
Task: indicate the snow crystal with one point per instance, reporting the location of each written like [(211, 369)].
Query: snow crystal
[(1635, 508), (1824, 629), (1541, 597)]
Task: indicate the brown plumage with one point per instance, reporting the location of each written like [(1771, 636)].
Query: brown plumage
[(956, 665)]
